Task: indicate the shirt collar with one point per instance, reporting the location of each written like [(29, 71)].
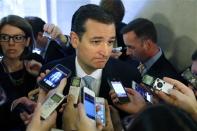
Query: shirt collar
[(152, 60), (80, 72)]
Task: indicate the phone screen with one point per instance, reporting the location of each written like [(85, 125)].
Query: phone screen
[(119, 89), (147, 95), (148, 80), (100, 114), (53, 78), (89, 104)]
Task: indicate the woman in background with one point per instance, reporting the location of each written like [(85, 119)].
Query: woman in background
[(17, 75)]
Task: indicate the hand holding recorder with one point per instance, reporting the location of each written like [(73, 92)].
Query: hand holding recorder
[(180, 96)]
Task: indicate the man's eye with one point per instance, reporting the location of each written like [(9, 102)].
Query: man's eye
[(111, 43), (96, 42)]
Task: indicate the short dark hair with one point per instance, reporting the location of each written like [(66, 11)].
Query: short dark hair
[(22, 24), (194, 55), (163, 117), (115, 8), (143, 28), (89, 11), (36, 23)]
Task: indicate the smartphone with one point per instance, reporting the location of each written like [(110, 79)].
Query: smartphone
[(53, 78), (117, 49), (52, 102), (75, 88), (120, 91), (100, 109), (88, 99), (143, 92), (157, 84), (46, 34), (190, 77)]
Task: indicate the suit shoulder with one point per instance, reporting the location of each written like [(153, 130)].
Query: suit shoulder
[(68, 61)]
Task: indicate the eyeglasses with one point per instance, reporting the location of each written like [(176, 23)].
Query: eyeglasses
[(15, 38)]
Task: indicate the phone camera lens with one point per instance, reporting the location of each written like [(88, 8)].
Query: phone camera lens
[(159, 85)]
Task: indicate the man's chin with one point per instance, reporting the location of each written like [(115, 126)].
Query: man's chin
[(100, 66)]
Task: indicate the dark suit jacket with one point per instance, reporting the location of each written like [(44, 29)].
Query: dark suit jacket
[(55, 51), (163, 68), (113, 69)]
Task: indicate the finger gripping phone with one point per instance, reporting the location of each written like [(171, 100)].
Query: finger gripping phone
[(53, 78), (51, 104), (119, 90), (157, 84)]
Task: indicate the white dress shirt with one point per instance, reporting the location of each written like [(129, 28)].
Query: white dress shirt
[(96, 75)]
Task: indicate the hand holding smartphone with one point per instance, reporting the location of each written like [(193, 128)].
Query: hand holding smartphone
[(143, 92), (88, 99), (53, 78), (119, 90)]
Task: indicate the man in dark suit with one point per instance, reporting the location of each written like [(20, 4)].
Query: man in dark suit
[(93, 35), (140, 37)]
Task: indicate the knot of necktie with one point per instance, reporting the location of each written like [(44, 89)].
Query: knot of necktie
[(88, 80), (141, 68)]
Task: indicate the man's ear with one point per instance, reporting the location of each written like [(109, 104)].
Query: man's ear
[(74, 39), (147, 44)]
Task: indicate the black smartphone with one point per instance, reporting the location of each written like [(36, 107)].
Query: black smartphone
[(143, 92), (119, 89), (53, 78)]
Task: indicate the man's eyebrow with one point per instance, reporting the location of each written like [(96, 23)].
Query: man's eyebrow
[(98, 37)]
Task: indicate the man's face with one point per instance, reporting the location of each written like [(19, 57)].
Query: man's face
[(194, 67), (95, 46), (135, 46)]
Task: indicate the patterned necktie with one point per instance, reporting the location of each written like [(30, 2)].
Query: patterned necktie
[(141, 68), (88, 80)]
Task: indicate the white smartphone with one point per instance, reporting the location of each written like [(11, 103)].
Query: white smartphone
[(100, 109), (75, 88), (88, 99), (52, 102)]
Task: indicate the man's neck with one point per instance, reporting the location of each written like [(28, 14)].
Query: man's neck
[(152, 52)]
